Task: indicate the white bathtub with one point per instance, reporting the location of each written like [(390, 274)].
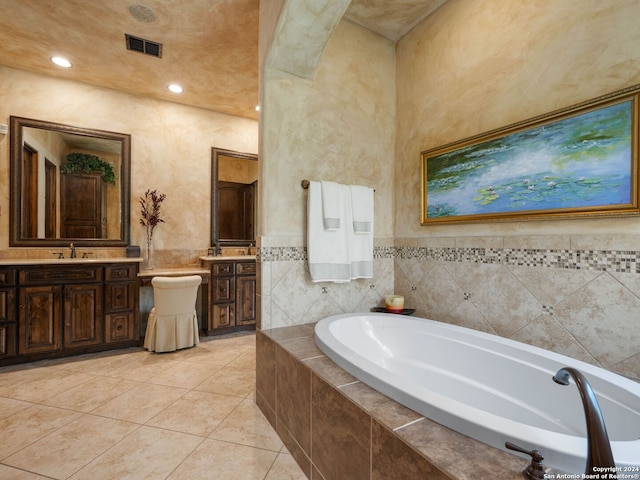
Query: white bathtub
[(486, 387)]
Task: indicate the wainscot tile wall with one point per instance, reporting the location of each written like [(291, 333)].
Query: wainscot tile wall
[(579, 301), (289, 297)]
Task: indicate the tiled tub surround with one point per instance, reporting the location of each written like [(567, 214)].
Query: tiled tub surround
[(336, 427), (582, 302), (289, 297)]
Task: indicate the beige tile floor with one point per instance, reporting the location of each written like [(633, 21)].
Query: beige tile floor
[(138, 415)]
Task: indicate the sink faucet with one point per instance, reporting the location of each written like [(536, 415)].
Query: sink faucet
[(598, 447), (73, 250)]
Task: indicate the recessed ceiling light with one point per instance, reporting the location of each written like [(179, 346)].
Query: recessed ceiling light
[(257, 108), (142, 13), (61, 62), (175, 88)]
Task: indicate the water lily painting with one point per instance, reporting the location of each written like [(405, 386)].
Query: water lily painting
[(582, 161)]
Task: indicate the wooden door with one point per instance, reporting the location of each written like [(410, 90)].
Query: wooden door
[(29, 207), (39, 319), (82, 201), (82, 315), (235, 211), (50, 200)]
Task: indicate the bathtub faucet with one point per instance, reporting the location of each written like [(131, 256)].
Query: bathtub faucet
[(599, 453)]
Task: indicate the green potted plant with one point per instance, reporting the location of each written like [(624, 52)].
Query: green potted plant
[(86, 163)]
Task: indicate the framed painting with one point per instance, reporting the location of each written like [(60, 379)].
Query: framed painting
[(577, 162)]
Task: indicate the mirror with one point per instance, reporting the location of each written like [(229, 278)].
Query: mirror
[(52, 208), (234, 186)]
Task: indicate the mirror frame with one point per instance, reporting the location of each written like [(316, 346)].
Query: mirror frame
[(215, 154), (15, 240)]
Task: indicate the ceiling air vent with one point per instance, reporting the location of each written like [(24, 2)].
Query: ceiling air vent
[(141, 45)]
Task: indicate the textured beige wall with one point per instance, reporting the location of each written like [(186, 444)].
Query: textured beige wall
[(170, 147), (475, 66), (337, 126), (568, 286)]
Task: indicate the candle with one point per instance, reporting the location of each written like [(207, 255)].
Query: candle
[(394, 303)]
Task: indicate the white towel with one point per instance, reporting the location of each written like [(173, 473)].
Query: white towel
[(362, 208), (360, 241), (331, 205), (327, 250)]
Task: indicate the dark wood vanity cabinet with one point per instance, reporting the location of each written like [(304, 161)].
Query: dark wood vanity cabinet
[(232, 294), (39, 319), (246, 293), (61, 310), (82, 315), (121, 303), (7, 313), (223, 298)]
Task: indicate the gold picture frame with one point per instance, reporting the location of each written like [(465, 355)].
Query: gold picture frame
[(581, 161)]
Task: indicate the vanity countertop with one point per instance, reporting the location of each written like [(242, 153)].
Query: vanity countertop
[(66, 261), (174, 272), (227, 258)]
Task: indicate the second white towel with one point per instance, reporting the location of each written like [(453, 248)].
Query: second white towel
[(362, 208), (339, 254)]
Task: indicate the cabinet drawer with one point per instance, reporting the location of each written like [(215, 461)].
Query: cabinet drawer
[(222, 268), (222, 289), (223, 315), (115, 273), (58, 275), (119, 327), (7, 277), (119, 296), (246, 268)]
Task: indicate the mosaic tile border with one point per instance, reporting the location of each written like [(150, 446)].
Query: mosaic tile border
[(600, 260)]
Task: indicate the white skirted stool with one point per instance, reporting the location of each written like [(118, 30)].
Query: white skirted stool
[(173, 323)]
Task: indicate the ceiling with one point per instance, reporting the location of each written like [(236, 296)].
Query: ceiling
[(391, 18), (209, 47)]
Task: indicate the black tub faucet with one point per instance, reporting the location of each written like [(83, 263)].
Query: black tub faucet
[(599, 453)]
